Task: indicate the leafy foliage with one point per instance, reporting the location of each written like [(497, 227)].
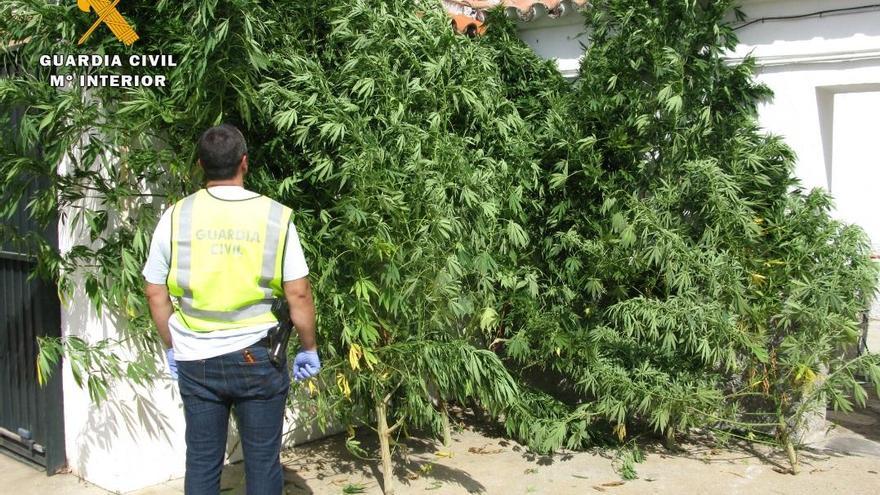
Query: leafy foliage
[(631, 243), (389, 135), (686, 280)]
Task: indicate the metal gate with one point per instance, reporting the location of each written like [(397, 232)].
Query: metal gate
[(31, 416)]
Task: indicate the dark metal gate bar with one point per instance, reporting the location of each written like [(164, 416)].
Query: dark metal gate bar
[(31, 421), (31, 416)]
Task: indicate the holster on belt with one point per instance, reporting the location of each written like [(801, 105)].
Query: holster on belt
[(279, 335)]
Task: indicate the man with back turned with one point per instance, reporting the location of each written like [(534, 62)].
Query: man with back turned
[(218, 259)]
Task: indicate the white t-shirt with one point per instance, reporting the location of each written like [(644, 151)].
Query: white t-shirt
[(190, 345)]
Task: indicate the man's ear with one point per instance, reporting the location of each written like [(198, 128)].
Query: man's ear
[(243, 166)]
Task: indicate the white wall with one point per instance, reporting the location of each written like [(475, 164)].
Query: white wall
[(825, 75), (829, 37), (559, 39), (813, 65), (855, 163), (133, 439)]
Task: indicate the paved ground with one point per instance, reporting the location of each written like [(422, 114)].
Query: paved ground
[(23, 478)]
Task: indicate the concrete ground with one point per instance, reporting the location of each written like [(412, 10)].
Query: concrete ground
[(23, 478)]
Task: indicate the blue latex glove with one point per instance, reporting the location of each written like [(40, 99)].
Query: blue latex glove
[(172, 364), (305, 365)]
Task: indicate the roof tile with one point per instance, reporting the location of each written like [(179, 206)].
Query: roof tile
[(468, 16), (467, 25)]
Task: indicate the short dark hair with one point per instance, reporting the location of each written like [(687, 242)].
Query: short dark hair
[(221, 149)]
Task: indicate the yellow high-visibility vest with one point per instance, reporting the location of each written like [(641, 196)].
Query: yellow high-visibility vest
[(226, 259)]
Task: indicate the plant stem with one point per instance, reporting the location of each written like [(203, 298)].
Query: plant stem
[(669, 439), (785, 436), (444, 417), (384, 446)]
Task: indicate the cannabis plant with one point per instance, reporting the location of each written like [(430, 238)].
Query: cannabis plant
[(687, 280), (391, 137), (631, 243)]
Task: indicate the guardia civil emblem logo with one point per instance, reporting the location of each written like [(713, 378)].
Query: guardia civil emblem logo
[(107, 14)]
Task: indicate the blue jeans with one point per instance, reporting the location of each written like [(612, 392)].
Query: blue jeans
[(209, 388)]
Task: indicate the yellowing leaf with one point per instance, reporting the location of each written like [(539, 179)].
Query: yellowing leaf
[(354, 355), (443, 453), (342, 383), (805, 377), (41, 380), (620, 430), (62, 298), (313, 390), (809, 376), (757, 278)]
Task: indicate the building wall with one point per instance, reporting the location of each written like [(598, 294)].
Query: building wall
[(559, 39), (134, 438), (825, 74)]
